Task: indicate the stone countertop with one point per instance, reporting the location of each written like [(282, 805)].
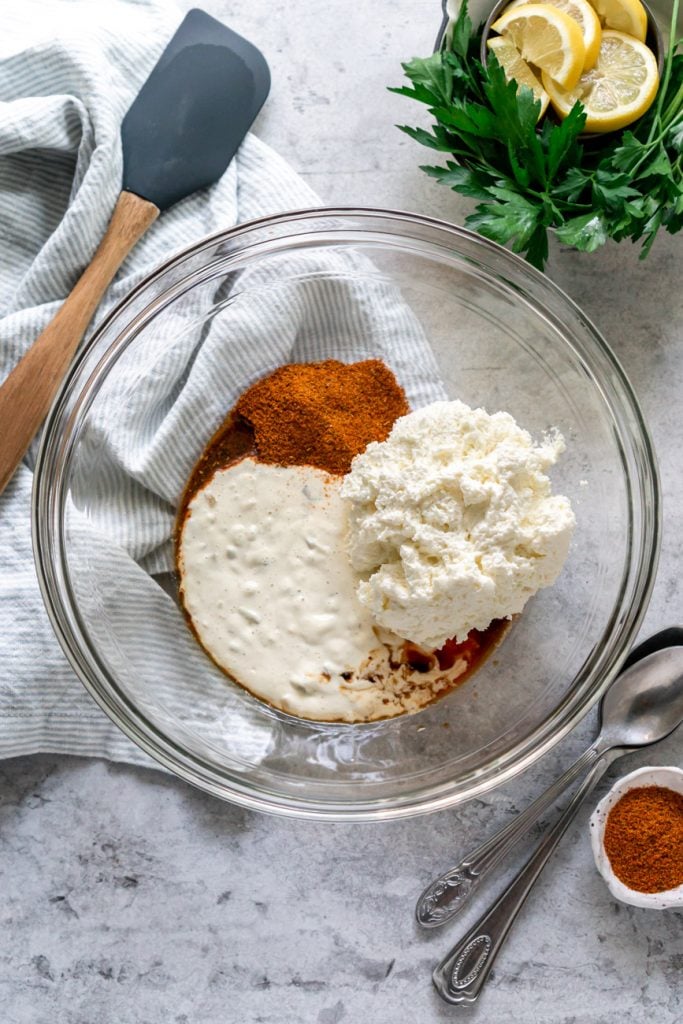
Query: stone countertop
[(129, 898)]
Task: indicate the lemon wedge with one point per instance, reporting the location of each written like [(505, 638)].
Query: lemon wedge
[(617, 91), (547, 37), (514, 66), (627, 16), (589, 23)]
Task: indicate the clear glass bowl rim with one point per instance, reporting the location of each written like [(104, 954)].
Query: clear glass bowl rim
[(81, 383)]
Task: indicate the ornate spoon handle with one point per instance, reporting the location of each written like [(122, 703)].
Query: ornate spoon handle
[(461, 975), (447, 895)]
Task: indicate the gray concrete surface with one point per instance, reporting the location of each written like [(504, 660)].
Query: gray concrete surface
[(128, 898)]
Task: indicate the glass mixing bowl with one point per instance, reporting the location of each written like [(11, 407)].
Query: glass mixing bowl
[(453, 314)]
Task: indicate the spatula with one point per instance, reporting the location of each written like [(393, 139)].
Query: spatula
[(179, 135)]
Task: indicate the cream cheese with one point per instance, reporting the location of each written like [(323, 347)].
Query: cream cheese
[(271, 594), (453, 522)]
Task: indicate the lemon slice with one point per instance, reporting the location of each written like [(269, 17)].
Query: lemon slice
[(514, 66), (589, 23), (627, 16), (619, 89), (547, 37)]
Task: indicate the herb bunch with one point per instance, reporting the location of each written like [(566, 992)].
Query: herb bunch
[(528, 177)]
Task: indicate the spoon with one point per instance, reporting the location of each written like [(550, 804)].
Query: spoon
[(451, 891), (643, 706)]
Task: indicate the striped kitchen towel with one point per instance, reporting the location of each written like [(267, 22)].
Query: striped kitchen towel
[(68, 72)]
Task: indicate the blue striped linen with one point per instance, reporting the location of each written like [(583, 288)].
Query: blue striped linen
[(68, 72)]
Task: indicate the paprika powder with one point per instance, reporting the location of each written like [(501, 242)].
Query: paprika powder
[(644, 839), (321, 414)]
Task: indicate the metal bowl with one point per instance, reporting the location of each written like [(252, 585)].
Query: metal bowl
[(654, 40)]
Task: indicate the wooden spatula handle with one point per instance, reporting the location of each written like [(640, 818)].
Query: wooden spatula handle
[(26, 395)]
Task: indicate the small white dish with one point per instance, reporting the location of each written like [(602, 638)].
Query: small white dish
[(671, 778)]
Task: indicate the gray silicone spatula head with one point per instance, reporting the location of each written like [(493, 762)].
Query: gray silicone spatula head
[(193, 111)]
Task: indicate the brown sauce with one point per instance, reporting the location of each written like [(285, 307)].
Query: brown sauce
[(232, 441), (478, 646)]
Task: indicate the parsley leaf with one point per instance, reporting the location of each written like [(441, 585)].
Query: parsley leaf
[(561, 142), (586, 232), (433, 75), (512, 219), (464, 180)]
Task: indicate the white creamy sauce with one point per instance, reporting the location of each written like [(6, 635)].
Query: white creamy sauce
[(268, 586)]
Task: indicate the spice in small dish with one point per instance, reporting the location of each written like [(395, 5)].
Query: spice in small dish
[(644, 839)]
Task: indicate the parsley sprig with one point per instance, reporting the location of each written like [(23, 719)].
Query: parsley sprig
[(529, 178)]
